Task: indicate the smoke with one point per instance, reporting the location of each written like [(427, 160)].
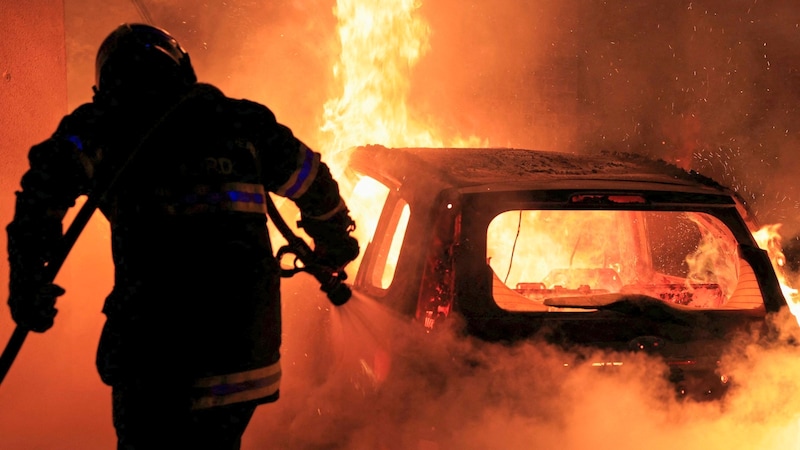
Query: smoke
[(279, 53), (707, 84), (370, 379)]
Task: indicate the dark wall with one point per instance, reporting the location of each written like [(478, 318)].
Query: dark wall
[(33, 92), (51, 397), (33, 88)]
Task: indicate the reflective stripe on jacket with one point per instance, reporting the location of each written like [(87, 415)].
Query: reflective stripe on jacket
[(300, 180), (251, 385), (241, 197)]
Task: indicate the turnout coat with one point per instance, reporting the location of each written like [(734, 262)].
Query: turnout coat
[(196, 300)]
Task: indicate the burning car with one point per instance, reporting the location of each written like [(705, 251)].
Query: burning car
[(608, 251)]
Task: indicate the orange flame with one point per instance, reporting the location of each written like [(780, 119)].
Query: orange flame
[(768, 238), (381, 42)]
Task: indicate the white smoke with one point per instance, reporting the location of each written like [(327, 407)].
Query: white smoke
[(446, 391)]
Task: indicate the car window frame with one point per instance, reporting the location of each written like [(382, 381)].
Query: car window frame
[(481, 207), (376, 250)]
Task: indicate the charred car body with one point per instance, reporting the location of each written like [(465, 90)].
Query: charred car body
[(609, 251)]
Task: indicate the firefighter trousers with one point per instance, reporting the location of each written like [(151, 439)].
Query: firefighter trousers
[(154, 416)]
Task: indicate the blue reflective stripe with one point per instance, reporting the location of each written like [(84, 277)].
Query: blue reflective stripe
[(301, 179), (240, 197), (251, 385), (305, 170), (76, 140), (233, 388)]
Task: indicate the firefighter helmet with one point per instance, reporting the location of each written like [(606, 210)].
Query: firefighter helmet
[(137, 59)]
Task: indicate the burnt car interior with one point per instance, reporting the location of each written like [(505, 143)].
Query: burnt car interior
[(569, 260)]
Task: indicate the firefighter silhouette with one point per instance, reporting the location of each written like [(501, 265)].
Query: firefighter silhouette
[(192, 337)]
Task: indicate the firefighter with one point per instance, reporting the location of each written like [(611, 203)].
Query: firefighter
[(191, 340)]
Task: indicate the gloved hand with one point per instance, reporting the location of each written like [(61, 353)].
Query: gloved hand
[(32, 236), (33, 307), (333, 245), (336, 253)]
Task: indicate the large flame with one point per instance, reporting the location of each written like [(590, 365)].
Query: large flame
[(381, 42)]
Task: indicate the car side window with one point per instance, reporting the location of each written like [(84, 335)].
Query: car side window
[(369, 195), (388, 248), (383, 232)]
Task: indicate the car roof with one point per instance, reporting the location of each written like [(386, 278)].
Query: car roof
[(471, 167)]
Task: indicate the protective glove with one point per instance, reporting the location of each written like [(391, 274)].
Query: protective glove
[(33, 307), (333, 245), (336, 253)]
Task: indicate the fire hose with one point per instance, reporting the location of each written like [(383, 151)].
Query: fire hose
[(51, 270), (331, 280)]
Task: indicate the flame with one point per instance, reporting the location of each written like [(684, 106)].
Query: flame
[(710, 263), (570, 241), (768, 238), (381, 42), (691, 262)]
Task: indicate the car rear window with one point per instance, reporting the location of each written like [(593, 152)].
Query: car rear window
[(685, 258)]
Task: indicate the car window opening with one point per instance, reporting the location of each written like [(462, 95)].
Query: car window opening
[(389, 250), (367, 200), (384, 231), (688, 259)]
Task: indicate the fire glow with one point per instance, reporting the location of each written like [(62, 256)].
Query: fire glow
[(53, 399), (381, 42), (769, 239)]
